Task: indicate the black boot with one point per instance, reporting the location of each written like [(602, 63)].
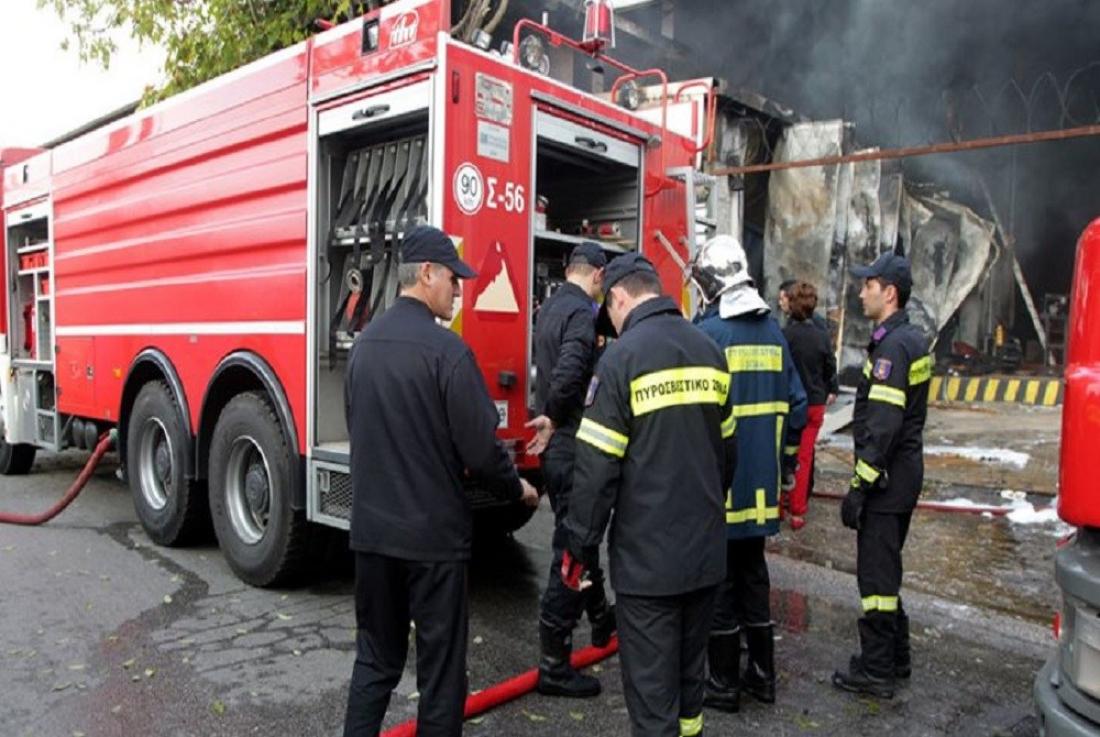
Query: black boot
[(903, 667), (556, 674), (759, 678), (872, 672), (723, 688), (857, 680), (601, 615)]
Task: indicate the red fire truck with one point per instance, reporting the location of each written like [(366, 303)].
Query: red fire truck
[(1067, 689), (194, 274)]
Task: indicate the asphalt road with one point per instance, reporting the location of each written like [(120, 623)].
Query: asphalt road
[(104, 634)]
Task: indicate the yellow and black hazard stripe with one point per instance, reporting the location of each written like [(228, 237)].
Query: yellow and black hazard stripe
[(1047, 392)]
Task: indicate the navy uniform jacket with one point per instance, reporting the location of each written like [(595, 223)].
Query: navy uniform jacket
[(890, 409), (770, 407), (418, 415), (565, 351), (656, 444)]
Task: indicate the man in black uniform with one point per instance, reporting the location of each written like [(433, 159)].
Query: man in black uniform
[(418, 416), (565, 351), (656, 445), (891, 405)]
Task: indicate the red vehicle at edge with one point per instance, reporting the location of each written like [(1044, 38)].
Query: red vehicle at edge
[(1067, 689)]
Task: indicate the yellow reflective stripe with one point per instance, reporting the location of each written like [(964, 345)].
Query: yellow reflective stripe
[(678, 386), (867, 369), (888, 394), (761, 408), (759, 357), (866, 471), (689, 727), (920, 370), (729, 426), (759, 513), (603, 438), (791, 450), (880, 603)]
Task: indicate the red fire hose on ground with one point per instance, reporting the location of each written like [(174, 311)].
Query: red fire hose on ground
[(105, 442), (524, 683), (511, 689)]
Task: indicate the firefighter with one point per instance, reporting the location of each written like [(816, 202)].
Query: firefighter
[(565, 354), (656, 446), (418, 415), (770, 406), (888, 424)]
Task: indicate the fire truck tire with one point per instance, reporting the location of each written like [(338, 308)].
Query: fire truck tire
[(262, 537), (16, 459), (172, 508)]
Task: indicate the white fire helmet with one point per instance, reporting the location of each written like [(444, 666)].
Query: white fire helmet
[(719, 266)]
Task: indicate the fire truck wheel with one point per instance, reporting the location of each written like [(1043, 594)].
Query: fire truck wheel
[(16, 459), (261, 536), (172, 509)]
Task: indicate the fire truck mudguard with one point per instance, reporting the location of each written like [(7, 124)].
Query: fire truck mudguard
[(152, 365), (263, 538)]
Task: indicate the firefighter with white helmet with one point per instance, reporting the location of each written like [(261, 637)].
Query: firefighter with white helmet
[(770, 407)]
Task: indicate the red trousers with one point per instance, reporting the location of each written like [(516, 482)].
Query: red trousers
[(803, 480)]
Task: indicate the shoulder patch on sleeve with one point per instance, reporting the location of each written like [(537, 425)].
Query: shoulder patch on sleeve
[(590, 396), (881, 370)]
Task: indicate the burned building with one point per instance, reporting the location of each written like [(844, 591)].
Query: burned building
[(991, 234)]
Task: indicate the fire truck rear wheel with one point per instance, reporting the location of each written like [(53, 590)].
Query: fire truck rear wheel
[(172, 508), (16, 459), (261, 536)]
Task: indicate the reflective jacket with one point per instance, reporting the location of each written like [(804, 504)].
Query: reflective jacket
[(656, 444), (888, 419), (770, 407)]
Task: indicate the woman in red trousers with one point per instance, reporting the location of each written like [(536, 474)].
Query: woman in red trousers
[(812, 351)]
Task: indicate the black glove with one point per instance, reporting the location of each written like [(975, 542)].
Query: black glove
[(851, 509)]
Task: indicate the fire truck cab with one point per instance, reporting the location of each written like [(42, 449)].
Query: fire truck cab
[(194, 274)]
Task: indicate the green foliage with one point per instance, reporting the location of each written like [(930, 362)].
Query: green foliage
[(201, 38)]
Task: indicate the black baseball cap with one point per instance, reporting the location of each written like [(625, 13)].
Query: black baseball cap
[(425, 243), (590, 253), (622, 266), (617, 269), (890, 267)]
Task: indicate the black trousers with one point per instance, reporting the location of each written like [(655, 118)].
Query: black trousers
[(388, 593), (662, 649), (879, 542), (743, 598), (561, 607)]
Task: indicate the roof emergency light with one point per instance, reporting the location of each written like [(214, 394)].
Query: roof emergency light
[(599, 25)]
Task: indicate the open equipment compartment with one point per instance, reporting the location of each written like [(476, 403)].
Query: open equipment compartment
[(31, 333), (372, 185), (588, 187)]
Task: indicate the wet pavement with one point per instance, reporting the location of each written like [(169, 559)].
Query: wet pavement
[(104, 634)]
